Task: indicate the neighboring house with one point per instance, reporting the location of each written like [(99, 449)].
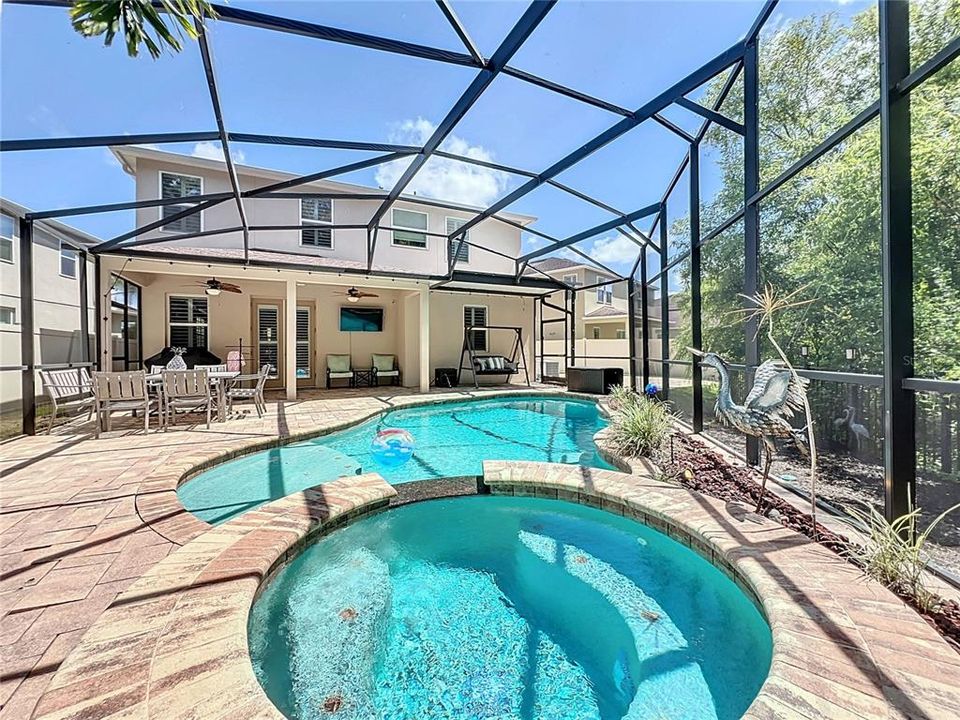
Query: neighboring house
[(297, 279), (58, 252), (600, 320)]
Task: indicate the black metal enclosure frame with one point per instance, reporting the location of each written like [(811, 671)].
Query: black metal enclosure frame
[(738, 61)]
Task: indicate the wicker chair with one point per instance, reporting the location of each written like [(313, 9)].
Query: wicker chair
[(119, 391), (68, 389), (186, 389), (254, 393)]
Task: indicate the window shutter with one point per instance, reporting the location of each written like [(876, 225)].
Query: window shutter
[(178, 186), (454, 224), (316, 210), (303, 325)]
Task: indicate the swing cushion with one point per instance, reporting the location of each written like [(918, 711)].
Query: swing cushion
[(493, 365)]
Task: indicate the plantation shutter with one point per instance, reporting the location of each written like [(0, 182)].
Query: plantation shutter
[(476, 316), (187, 322), (316, 210), (303, 342), (268, 337), (174, 186), (454, 224)]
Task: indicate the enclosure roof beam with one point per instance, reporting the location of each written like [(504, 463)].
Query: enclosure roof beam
[(765, 12), (132, 205), (67, 143), (949, 53), (324, 174), (207, 58), (711, 115), (687, 84), (591, 232), (527, 23), (450, 14)]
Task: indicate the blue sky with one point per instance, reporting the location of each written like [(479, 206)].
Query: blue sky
[(55, 83)]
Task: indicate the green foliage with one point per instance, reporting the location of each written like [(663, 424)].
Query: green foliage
[(621, 397), (640, 426), (822, 228), (140, 22), (894, 553)]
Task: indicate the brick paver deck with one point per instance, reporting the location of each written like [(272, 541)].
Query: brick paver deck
[(82, 519), (93, 570)]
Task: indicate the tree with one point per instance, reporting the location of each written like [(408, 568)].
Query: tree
[(140, 22)]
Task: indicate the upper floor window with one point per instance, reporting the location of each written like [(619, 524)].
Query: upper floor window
[(174, 186), (7, 225), (188, 322), (68, 261), (463, 254), (604, 292), (412, 221), (571, 280), (8, 315), (316, 210)]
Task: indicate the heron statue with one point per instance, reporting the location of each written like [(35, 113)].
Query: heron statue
[(775, 396)]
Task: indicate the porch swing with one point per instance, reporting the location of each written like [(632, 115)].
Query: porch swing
[(489, 364)]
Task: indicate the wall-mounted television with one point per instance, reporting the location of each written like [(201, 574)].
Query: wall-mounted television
[(361, 319)]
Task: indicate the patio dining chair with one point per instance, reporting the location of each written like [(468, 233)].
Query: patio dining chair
[(254, 393), (188, 390), (119, 391), (338, 368), (68, 389), (385, 366)]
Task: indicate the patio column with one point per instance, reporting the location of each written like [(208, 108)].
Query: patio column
[(425, 340), (290, 341)]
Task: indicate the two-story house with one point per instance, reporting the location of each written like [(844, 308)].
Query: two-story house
[(600, 321), (59, 254), (306, 270)]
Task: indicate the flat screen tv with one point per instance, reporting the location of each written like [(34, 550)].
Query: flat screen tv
[(361, 319)]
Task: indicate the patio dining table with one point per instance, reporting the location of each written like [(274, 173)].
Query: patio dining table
[(218, 380)]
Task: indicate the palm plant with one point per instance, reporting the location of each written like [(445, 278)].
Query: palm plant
[(141, 22), (640, 426)]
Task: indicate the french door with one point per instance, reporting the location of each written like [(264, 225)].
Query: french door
[(268, 326)]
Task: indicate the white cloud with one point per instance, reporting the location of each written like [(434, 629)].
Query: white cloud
[(441, 178), (211, 151), (614, 249)]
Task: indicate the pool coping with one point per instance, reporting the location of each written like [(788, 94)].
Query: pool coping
[(175, 643), (158, 503)]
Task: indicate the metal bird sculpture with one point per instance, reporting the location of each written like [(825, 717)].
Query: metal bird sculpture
[(858, 430), (775, 396)]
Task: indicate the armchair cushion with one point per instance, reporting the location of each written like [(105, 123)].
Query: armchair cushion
[(338, 364), (383, 363)]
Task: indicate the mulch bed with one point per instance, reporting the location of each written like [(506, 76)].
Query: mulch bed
[(692, 464)]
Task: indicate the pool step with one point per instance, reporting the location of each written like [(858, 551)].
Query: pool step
[(437, 488)]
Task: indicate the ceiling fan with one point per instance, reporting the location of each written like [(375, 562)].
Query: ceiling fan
[(212, 286), (354, 295)]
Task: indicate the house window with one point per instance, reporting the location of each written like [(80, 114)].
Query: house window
[(7, 225), (411, 221), (188, 322), (475, 317), (8, 316), (596, 333), (454, 224), (604, 293), (621, 334), (68, 261), (312, 211), (174, 186), (571, 280)]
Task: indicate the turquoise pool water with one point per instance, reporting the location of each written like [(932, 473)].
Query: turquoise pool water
[(451, 439), (501, 607)]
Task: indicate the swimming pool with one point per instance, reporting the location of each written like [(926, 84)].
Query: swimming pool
[(451, 439), (503, 607)]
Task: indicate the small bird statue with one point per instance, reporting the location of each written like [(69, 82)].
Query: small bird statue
[(858, 430), (775, 396)]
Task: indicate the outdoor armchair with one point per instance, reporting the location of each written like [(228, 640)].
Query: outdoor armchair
[(118, 391), (338, 368), (385, 366), (186, 389), (254, 393)]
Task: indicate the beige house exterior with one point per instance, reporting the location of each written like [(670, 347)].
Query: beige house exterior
[(296, 280), (58, 252)]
